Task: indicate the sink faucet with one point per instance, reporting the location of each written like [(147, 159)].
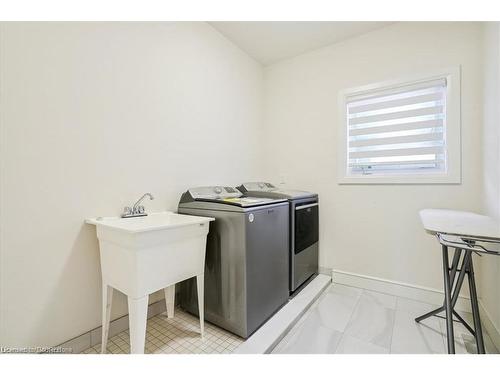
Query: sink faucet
[(136, 209)]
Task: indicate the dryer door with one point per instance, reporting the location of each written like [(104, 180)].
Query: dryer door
[(306, 226)]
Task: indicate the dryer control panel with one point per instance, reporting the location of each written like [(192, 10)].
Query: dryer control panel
[(258, 186)]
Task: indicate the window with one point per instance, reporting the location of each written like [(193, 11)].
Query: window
[(402, 132)]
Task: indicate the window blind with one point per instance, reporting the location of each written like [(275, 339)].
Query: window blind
[(397, 130)]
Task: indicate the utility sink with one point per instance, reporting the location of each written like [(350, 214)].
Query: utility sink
[(141, 255), (152, 222)]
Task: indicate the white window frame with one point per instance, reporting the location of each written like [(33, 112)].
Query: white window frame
[(453, 173)]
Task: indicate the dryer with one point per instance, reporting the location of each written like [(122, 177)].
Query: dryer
[(246, 264)]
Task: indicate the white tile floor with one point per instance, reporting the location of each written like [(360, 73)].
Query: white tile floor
[(343, 320), (179, 334), (352, 320)]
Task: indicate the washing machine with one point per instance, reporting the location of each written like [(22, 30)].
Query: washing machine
[(303, 228), (246, 263)]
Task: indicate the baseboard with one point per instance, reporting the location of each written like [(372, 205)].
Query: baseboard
[(396, 288), (93, 337), (416, 292), (325, 271)]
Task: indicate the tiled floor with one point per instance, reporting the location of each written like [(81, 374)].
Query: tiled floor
[(342, 320), (176, 335), (352, 320)]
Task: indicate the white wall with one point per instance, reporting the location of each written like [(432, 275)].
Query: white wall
[(489, 272), (92, 116), (372, 230)]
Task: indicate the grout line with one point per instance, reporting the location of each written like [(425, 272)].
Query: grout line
[(340, 340), (393, 327), (356, 305), (443, 338), (353, 310), (397, 303)]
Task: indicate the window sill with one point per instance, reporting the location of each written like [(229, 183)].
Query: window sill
[(400, 180)]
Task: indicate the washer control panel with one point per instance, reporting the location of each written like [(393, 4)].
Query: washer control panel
[(214, 192)]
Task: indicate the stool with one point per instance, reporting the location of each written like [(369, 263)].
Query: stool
[(462, 264)]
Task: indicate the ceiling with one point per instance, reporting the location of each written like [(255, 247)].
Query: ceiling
[(268, 42)]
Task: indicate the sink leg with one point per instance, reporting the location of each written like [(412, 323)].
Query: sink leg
[(170, 300), (137, 315), (107, 300), (201, 307)]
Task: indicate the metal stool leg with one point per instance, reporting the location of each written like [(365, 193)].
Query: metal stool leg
[(452, 287), (454, 267), (447, 302), (429, 314), (475, 308), (460, 280)]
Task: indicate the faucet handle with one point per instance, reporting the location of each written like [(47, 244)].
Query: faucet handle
[(140, 209), (127, 210)]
